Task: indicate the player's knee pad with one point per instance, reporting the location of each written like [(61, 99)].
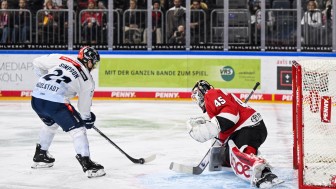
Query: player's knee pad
[(51, 129), (246, 166), (77, 132)]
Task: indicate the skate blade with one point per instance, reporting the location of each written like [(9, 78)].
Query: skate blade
[(270, 184), (95, 173), (39, 165)]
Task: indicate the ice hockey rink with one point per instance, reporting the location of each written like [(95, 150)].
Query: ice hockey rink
[(140, 128)]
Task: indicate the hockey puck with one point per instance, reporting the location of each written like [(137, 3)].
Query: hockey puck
[(141, 161)]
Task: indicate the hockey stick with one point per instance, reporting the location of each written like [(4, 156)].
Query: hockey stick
[(206, 159), (140, 160)]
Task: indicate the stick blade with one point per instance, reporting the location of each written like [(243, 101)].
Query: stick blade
[(181, 168), (150, 158), (197, 170)]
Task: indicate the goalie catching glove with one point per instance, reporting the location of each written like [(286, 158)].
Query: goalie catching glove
[(202, 130)]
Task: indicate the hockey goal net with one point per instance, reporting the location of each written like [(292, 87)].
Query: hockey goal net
[(314, 123)]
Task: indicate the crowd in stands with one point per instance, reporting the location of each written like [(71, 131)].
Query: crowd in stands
[(46, 21)]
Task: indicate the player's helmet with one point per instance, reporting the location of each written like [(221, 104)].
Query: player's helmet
[(198, 92), (88, 53)]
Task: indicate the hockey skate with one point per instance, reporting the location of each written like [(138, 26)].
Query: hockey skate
[(42, 158), (268, 179), (90, 168)]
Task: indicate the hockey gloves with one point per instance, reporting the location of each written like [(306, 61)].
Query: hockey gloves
[(89, 123)]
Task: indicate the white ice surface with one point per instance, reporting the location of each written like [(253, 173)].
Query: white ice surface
[(140, 128)]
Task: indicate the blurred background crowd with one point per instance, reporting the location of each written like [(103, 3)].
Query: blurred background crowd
[(271, 23)]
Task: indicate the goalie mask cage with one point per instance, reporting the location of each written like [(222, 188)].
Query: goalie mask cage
[(314, 123)]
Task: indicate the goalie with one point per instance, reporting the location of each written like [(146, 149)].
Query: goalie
[(239, 130)]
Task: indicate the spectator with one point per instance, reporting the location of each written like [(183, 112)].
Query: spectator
[(140, 4), (81, 5), (327, 21), (60, 4), (55, 3), (255, 11), (202, 5), (164, 6), (48, 22), (91, 23), (327, 13), (197, 25), (312, 16), (312, 24), (157, 16), (21, 30), (134, 24), (175, 18), (178, 36), (5, 22), (171, 3), (101, 6)]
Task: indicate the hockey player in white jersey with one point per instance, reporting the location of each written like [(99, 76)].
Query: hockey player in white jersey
[(61, 78)]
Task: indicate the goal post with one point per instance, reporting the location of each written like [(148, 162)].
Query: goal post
[(314, 123)]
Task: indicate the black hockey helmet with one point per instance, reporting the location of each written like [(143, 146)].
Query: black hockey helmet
[(198, 92), (87, 53)]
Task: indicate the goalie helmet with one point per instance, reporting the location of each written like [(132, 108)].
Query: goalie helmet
[(198, 92), (88, 53)]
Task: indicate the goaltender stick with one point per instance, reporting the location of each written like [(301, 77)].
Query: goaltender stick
[(62, 78), (239, 130)]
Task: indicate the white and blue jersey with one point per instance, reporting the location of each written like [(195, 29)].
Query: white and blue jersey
[(62, 78)]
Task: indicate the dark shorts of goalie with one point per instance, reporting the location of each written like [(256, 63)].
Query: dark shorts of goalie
[(53, 112), (251, 136)]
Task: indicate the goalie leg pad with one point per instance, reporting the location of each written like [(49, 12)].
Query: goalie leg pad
[(245, 166)]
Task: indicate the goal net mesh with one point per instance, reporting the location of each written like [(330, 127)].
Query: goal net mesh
[(319, 122)]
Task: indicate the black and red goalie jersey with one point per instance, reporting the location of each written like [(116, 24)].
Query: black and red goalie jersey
[(231, 113)]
